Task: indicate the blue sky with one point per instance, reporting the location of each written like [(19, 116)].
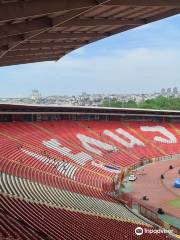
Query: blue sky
[(142, 60)]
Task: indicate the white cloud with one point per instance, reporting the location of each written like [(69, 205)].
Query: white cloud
[(120, 71), (139, 69)]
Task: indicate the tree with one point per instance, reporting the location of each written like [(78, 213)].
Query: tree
[(160, 102)]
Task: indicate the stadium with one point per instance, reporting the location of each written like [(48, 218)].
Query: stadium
[(65, 171)]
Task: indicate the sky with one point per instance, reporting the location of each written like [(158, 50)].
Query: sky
[(142, 60)]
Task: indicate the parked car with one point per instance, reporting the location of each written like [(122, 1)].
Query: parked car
[(132, 177)]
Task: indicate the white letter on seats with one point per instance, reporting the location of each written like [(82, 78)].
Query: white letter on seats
[(163, 130), (133, 140), (66, 169), (87, 141), (81, 158)]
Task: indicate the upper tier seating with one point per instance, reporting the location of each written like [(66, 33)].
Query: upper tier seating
[(85, 151)]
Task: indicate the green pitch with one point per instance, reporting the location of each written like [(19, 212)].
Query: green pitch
[(175, 203)]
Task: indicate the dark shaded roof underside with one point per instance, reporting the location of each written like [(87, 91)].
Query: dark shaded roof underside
[(13, 109), (44, 30)]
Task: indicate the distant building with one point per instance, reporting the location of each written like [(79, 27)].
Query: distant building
[(169, 90), (84, 94), (163, 91), (35, 94), (175, 90)]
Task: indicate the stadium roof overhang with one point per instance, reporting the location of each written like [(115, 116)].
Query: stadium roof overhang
[(44, 30), (24, 109)]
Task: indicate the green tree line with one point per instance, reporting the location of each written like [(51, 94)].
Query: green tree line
[(166, 103)]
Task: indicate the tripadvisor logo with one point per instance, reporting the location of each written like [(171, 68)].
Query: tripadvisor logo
[(139, 231)]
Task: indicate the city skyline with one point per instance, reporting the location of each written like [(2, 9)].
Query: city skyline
[(85, 99), (173, 89), (145, 60)]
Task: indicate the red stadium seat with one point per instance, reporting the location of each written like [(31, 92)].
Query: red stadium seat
[(56, 177)]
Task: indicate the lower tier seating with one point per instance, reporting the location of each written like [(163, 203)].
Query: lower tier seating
[(51, 196), (38, 221)]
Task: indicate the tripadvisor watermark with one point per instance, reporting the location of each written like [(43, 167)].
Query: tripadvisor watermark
[(140, 231)]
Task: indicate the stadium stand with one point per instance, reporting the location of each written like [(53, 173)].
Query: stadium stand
[(56, 177)]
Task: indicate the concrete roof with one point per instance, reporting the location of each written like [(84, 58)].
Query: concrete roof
[(44, 30)]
